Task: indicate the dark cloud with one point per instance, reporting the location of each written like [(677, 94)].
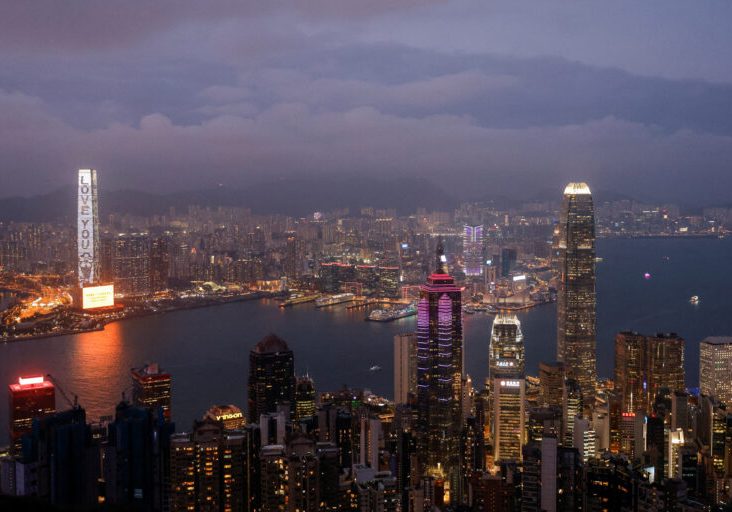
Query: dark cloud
[(158, 97)]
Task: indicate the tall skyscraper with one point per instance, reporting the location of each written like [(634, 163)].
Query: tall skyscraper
[(131, 264), (506, 368), (151, 388), (31, 397), (271, 377), (304, 398), (576, 287), (439, 376), (715, 368), (89, 250), (473, 250), (646, 364), (551, 383), (405, 367)]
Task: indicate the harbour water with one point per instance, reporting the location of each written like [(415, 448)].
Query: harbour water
[(207, 350)]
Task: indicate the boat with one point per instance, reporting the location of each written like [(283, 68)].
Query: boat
[(694, 299), (334, 299), (387, 315), (298, 299), (375, 368)]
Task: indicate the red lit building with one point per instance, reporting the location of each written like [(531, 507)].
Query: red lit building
[(31, 397)]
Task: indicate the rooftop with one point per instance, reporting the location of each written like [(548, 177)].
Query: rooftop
[(577, 188), (271, 344), (718, 340)]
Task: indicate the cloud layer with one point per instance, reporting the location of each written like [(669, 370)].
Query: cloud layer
[(193, 97)]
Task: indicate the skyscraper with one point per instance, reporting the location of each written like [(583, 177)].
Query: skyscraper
[(646, 364), (88, 247), (576, 287), (439, 376), (131, 264), (304, 398), (551, 383), (31, 397), (271, 377), (506, 367), (715, 368), (151, 388), (405, 367), (473, 250)]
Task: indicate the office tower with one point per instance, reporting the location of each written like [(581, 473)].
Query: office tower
[(715, 368), (137, 459), (88, 247), (506, 367), (571, 408), (304, 398), (544, 421), (576, 287), (473, 250), (230, 415), (210, 468), (388, 285), (405, 367), (31, 397), (439, 376), (508, 261), (584, 439), (551, 383), (303, 486), (271, 377), (273, 478), (131, 265), (680, 411), (294, 256), (644, 365), (159, 263), (66, 460), (151, 388), (539, 479), (328, 475)]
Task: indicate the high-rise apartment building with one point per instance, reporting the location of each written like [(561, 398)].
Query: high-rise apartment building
[(646, 364), (715, 368), (151, 388), (88, 246), (131, 265), (507, 387), (473, 250), (439, 376), (271, 377), (405, 367), (576, 288), (29, 398)]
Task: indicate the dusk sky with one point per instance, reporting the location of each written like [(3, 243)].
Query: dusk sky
[(480, 97)]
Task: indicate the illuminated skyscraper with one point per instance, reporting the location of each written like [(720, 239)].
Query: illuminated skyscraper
[(88, 246), (715, 368), (151, 388), (271, 377), (473, 250), (304, 398), (131, 265), (576, 287), (506, 362), (31, 397), (405, 367), (646, 364), (439, 376)]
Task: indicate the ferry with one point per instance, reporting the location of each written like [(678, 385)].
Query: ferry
[(375, 368), (694, 299), (334, 299), (298, 299), (387, 315)]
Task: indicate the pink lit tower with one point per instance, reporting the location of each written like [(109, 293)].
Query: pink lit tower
[(439, 378)]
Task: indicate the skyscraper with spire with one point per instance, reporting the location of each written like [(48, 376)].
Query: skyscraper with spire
[(439, 377), (576, 287)]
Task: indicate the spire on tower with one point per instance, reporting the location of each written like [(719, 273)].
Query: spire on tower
[(440, 257)]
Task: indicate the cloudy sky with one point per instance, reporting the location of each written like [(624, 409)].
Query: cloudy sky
[(481, 97)]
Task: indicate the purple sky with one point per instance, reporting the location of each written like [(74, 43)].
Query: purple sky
[(482, 97)]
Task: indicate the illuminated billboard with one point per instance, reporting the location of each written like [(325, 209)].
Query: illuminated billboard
[(97, 296), (88, 227)]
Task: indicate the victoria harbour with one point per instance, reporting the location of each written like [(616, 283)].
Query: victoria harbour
[(206, 350)]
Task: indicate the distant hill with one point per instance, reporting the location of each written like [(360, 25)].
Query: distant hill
[(291, 196)]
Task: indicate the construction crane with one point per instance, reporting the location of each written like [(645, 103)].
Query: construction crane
[(75, 403)]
